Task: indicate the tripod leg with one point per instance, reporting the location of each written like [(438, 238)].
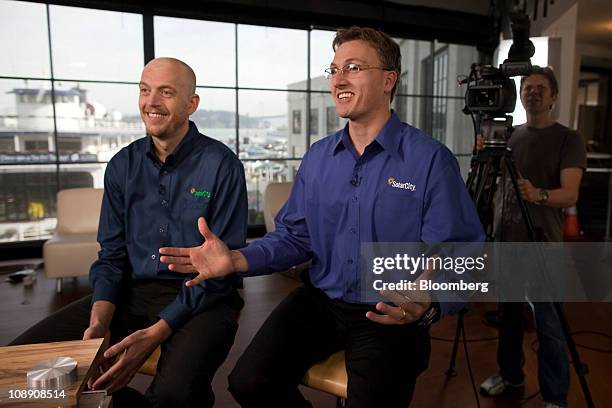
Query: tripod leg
[(481, 185), (580, 368), (533, 234), (450, 372)]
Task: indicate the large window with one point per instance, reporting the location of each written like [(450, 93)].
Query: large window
[(429, 97), (433, 112), (209, 48), (68, 89), (68, 98), (95, 44), (25, 44)]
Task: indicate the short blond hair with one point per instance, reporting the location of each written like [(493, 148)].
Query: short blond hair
[(388, 51)]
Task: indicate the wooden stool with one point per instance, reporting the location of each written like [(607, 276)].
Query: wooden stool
[(150, 366), (329, 376)]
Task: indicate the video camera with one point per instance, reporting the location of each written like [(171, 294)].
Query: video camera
[(491, 93)]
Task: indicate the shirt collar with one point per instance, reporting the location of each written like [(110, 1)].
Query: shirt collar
[(181, 151), (388, 138), (344, 142)]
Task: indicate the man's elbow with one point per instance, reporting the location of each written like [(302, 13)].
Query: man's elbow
[(572, 199)]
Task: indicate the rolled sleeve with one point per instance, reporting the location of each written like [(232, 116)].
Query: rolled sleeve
[(176, 315), (105, 290)]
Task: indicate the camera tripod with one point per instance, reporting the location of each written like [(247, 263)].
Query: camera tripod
[(482, 184)]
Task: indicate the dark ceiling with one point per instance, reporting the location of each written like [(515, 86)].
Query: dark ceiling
[(400, 20)]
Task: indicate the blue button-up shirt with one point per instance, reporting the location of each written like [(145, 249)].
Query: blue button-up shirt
[(148, 204), (405, 187)]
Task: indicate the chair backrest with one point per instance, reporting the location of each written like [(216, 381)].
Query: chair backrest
[(78, 210), (274, 198)]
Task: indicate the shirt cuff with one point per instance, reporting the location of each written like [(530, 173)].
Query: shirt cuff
[(176, 315), (256, 259), (105, 291)]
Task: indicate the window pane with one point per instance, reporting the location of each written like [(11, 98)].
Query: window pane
[(27, 202), (96, 44), (28, 197), (271, 57), (593, 94), (458, 62), (259, 173), (27, 52), (417, 69), (94, 121), (272, 124), (450, 125), (26, 122), (314, 122), (207, 47), (321, 55), (328, 121), (216, 115)]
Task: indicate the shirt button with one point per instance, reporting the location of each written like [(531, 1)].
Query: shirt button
[(353, 230), (164, 203), (153, 257), (355, 199), (350, 261)]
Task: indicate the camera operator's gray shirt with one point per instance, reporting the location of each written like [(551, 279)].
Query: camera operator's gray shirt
[(539, 155)]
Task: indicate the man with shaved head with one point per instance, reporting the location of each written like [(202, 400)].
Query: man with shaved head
[(155, 189)]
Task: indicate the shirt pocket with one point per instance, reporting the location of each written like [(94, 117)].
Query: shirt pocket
[(191, 210), (397, 216)]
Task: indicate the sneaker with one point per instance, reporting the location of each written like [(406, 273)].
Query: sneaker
[(495, 385)]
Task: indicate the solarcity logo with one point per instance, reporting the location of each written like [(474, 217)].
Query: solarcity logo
[(396, 184), (202, 193)]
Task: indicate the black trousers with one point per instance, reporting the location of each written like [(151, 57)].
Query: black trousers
[(382, 362), (189, 358)]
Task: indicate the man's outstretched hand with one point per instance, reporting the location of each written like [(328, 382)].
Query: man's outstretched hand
[(212, 259)]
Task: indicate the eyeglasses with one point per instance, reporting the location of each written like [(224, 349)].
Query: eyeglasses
[(350, 69)]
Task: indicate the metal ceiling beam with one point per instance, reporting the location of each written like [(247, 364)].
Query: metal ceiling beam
[(417, 22)]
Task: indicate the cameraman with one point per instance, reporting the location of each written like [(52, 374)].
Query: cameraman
[(550, 159)]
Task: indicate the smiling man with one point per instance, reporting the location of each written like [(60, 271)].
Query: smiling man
[(344, 195), (155, 189)]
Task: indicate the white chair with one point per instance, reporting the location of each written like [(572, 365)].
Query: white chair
[(275, 196), (74, 247)]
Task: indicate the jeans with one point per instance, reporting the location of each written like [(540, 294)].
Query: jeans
[(553, 364)]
